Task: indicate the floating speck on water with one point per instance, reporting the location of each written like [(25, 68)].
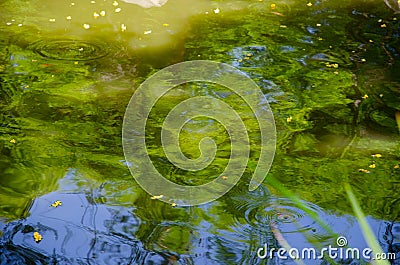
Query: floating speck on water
[(96, 15), (289, 119), (365, 96), (273, 6), (309, 4), (20, 25), (165, 24), (102, 13), (13, 141), (363, 60), (147, 32), (86, 26), (117, 10), (69, 17), (283, 26), (377, 155), (72, 4), (318, 25), (93, 2), (123, 27), (372, 166), (52, 20), (383, 26), (371, 41), (216, 11), (379, 20), (173, 204), (157, 197), (76, 62), (37, 237), (115, 3), (8, 23)]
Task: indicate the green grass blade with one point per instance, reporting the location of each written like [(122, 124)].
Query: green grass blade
[(365, 228)]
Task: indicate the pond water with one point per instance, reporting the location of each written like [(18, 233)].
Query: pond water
[(330, 70)]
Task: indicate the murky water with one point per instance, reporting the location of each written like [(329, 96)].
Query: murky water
[(330, 70)]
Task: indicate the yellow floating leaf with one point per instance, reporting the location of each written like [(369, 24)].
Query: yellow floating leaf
[(377, 155), (383, 26), (173, 204), (37, 237), (309, 4), (13, 141), (289, 119), (56, 204), (365, 96), (372, 166)]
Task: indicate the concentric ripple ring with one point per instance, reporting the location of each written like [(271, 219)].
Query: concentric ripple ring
[(69, 49)]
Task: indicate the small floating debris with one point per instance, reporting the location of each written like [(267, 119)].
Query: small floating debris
[(364, 170), (289, 119), (123, 27), (72, 4), (102, 13), (8, 23), (365, 96), (117, 10), (93, 2), (52, 20), (216, 11), (147, 32), (173, 204), (157, 197), (273, 6), (372, 166), (69, 17), (377, 155), (86, 26), (363, 60), (38, 237), (224, 177), (383, 26), (115, 3), (309, 4), (19, 25), (56, 204), (13, 141), (96, 15), (165, 25), (396, 166), (318, 25)]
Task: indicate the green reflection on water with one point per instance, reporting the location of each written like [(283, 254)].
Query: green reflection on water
[(62, 111)]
